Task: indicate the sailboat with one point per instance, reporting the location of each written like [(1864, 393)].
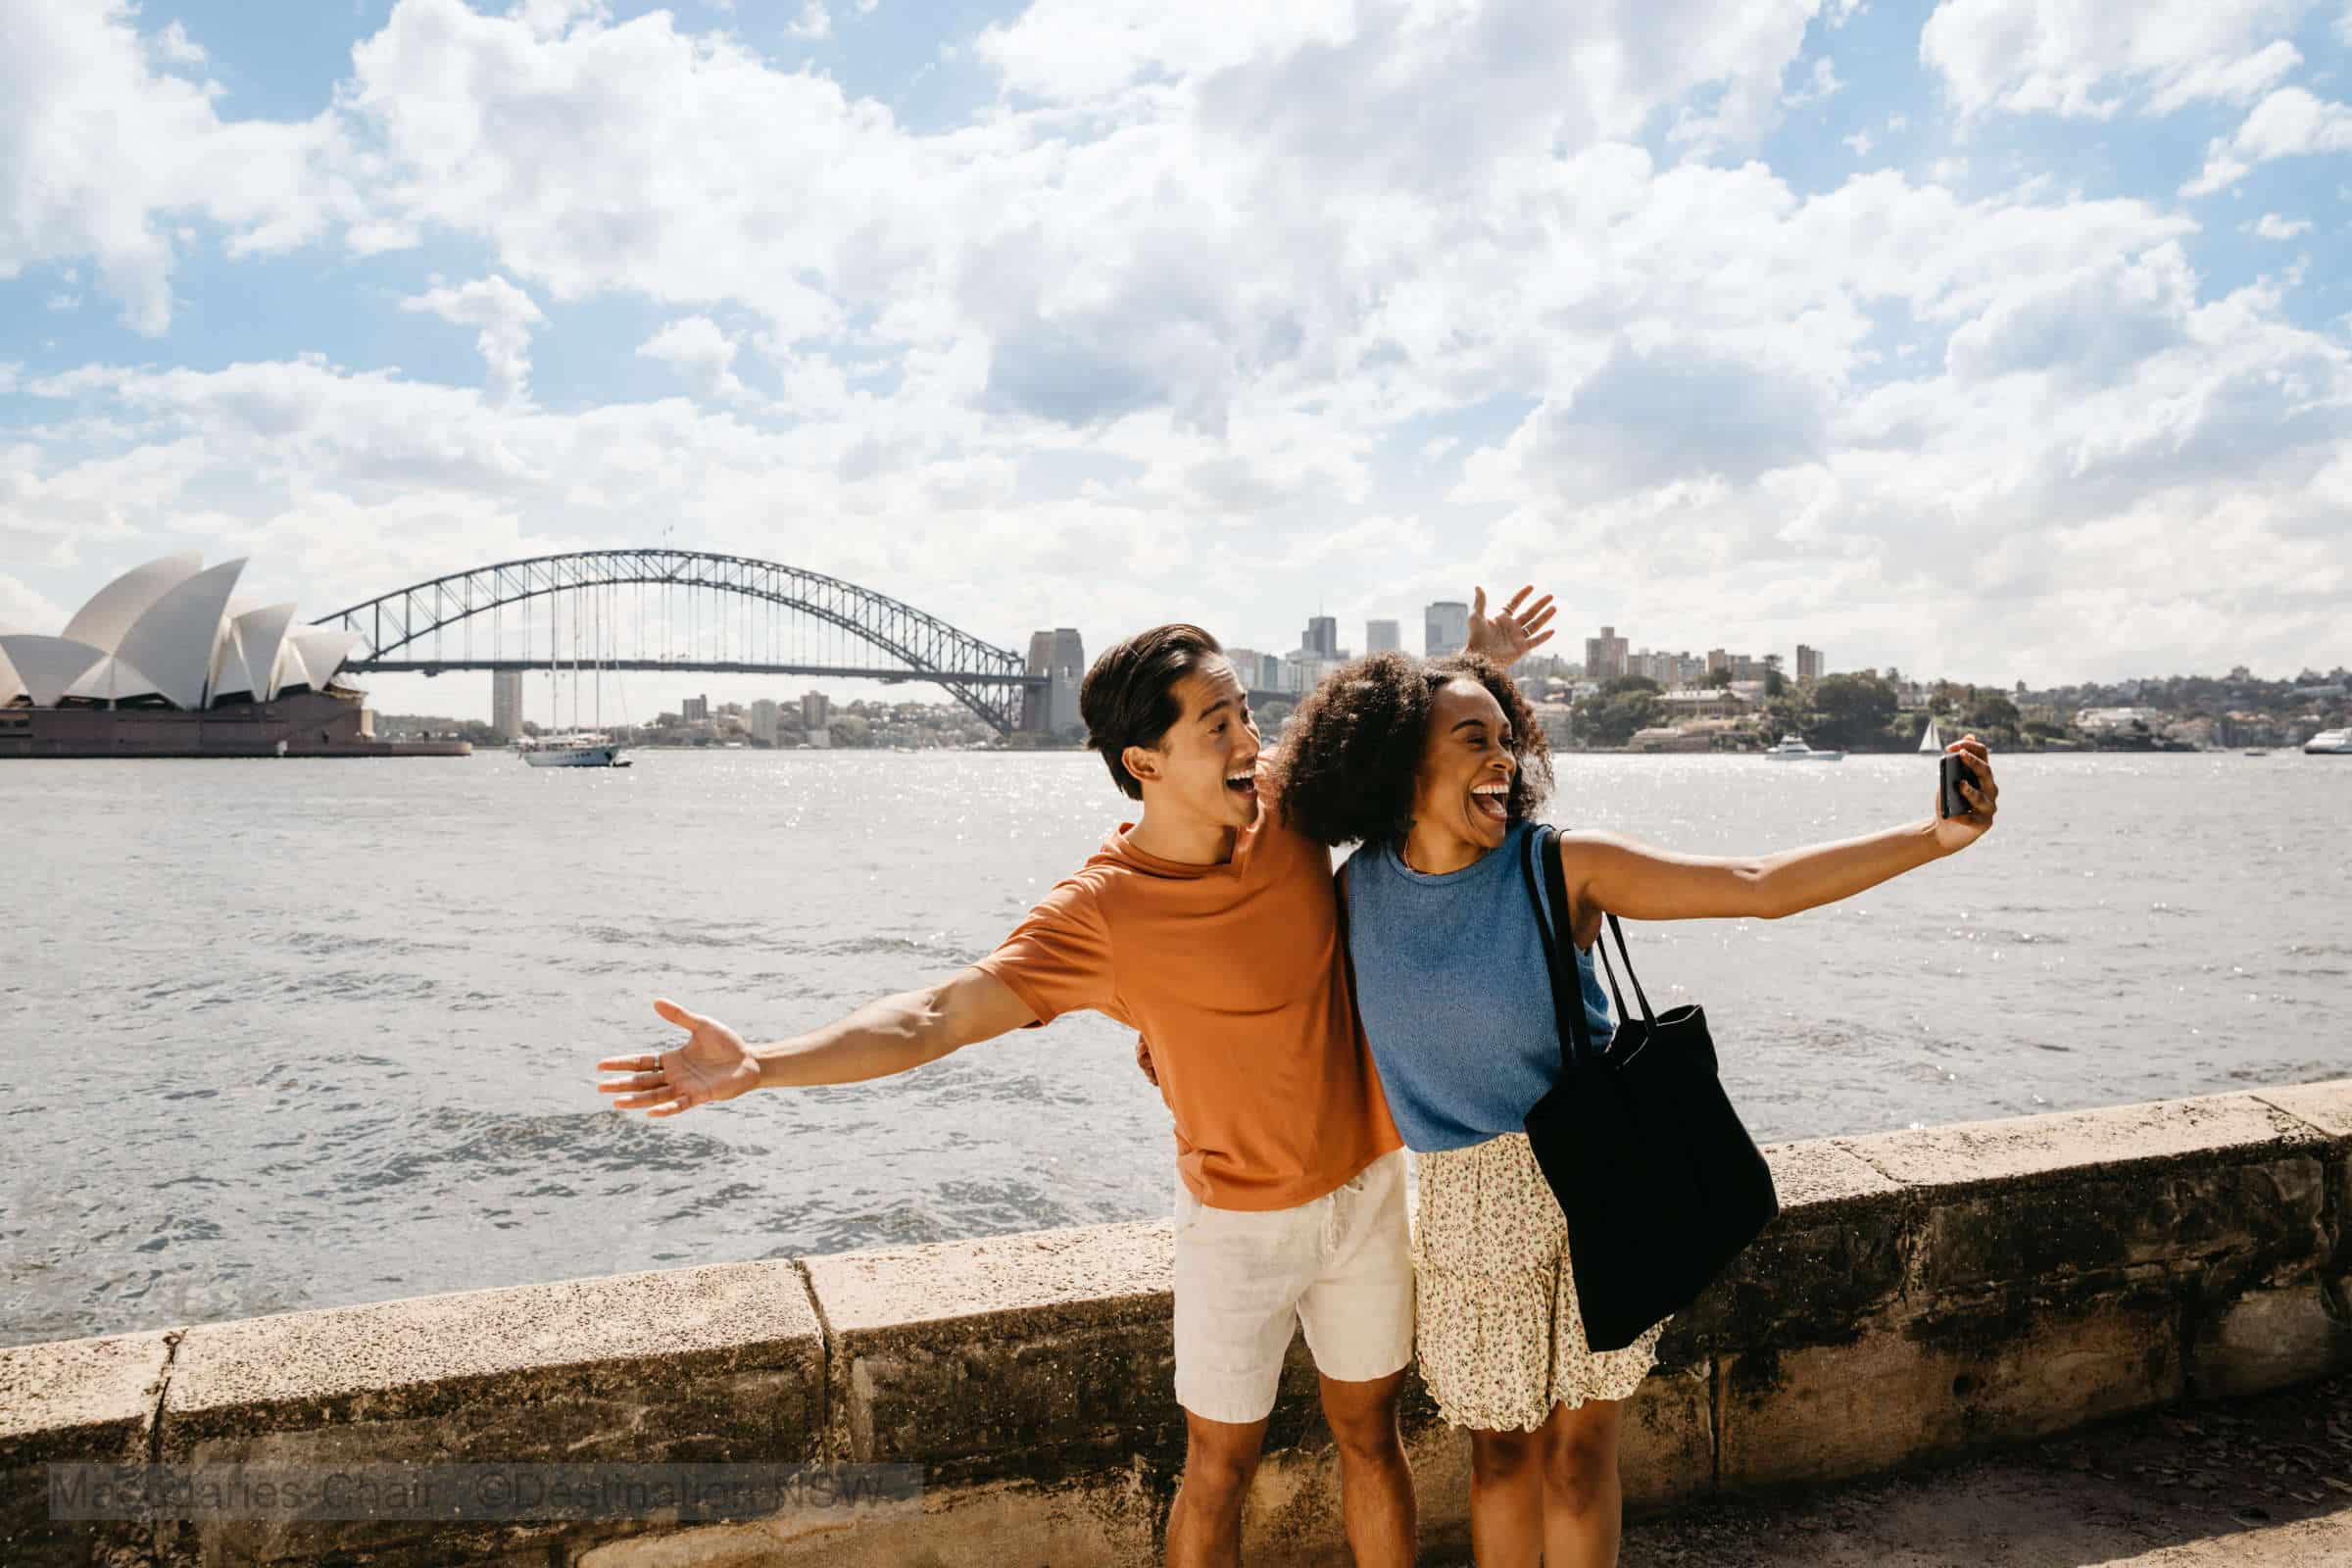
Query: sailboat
[(1932, 739), (589, 748)]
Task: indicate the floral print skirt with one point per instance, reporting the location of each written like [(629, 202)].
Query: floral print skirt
[(1500, 1338)]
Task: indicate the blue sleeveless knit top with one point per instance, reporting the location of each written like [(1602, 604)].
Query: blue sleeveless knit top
[(1452, 985)]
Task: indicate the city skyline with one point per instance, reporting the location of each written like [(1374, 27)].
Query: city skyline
[(1848, 322)]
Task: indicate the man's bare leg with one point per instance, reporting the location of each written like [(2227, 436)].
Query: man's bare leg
[(1204, 1527), (1376, 1485)]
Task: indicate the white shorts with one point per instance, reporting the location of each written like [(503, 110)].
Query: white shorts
[(1341, 1266)]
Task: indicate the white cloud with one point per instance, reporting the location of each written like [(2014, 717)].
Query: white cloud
[(2291, 123), (699, 351), (2086, 58), (1820, 85), (813, 21), (100, 156), (22, 610), (1203, 293), (173, 46), (505, 315), (2239, 81), (64, 302), (2274, 226)]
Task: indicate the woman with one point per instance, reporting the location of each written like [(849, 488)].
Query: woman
[(1437, 769)]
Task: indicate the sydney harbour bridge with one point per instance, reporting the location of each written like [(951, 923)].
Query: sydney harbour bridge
[(677, 611)]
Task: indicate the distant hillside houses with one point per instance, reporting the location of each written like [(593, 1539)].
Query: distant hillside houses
[(2113, 720)]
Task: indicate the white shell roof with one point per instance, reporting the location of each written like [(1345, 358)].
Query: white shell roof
[(260, 637), (173, 629), (113, 678), (11, 687), (174, 639), (111, 612), (290, 671), (47, 665), (323, 650)]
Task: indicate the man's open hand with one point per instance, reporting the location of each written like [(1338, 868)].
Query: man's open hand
[(713, 1064)]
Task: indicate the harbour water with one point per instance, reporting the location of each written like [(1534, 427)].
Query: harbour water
[(278, 1034)]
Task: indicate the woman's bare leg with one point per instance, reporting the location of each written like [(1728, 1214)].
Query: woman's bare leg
[(1506, 1498), (1584, 1504)]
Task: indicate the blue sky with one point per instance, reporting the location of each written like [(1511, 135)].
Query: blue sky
[(1999, 338)]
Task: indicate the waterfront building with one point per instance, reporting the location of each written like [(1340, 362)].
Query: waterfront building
[(1687, 704), (817, 713), (1445, 629), (1606, 656), (167, 661), (1322, 637), (1383, 637), (506, 703), (696, 708), (1808, 663), (1560, 728), (763, 721), (1060, 656)]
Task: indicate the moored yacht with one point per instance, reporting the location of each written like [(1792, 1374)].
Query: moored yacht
[(571, 751), (1792, 749), (2329, 742)]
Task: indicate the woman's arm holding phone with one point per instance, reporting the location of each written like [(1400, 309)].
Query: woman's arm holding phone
[(1607, 872)]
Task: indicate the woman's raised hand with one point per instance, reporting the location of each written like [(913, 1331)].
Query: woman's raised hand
[(1511, 633), (713, 1064), (1959, 832)]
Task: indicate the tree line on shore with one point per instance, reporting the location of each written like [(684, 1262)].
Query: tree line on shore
[(1865, 711)]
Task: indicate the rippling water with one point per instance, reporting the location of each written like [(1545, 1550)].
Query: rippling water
[(279, 1035)]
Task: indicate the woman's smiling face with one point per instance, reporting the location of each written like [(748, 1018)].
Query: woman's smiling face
[(1467, 765)]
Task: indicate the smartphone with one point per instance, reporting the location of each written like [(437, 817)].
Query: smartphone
[(1953, 771)]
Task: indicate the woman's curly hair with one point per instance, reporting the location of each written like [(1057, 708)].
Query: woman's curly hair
[(1353, 750)]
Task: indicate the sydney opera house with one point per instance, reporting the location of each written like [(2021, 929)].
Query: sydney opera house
[(168, 661)]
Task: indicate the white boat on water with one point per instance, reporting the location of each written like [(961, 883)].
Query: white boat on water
[(1792, 749), (571, 751), (2329, 742), (1932, 739)]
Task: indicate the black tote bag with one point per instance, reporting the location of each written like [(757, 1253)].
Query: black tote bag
[(1661, 1183)]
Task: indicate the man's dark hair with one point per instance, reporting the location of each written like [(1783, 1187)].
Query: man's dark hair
[(1354, 749), (1129, 695)]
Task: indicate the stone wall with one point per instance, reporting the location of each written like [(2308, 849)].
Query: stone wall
[(1923, 1293)]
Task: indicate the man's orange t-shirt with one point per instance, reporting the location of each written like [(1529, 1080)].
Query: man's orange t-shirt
[(1236, 977)]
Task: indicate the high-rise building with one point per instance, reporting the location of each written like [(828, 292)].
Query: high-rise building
[(1249, 667), (1445, 629), (1322, 637), (1304, 670), (763, 721), (817, 710), (1060, 657), (1808, 663), (1606, 655), (1382, 637), (696, 708), (506, 703)]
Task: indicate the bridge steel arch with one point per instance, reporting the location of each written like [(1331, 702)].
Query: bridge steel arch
[(989, 680)]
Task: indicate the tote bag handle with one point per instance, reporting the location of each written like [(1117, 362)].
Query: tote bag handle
[(1568, 1000)]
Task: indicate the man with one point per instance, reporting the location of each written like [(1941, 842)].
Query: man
[(1211, 928)]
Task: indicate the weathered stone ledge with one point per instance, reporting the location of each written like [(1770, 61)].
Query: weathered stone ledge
[(1921, 1294)]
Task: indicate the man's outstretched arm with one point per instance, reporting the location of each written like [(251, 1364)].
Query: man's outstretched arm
[(893, 1035)]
